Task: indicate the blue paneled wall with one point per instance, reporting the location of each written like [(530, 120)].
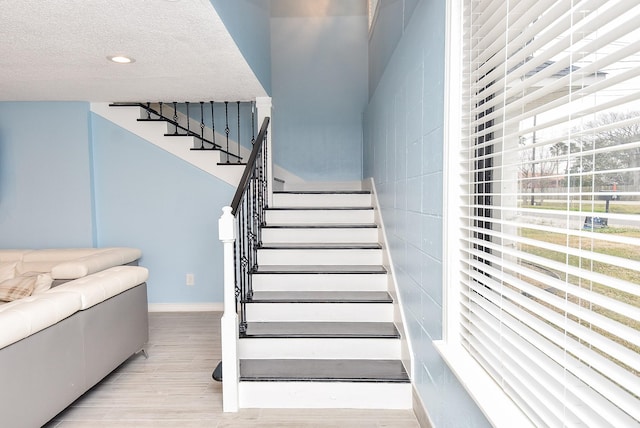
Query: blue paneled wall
[(403, 152)]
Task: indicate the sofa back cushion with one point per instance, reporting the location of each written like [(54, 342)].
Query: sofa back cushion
[(7, 270)]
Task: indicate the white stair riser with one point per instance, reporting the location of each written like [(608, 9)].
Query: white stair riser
[(338, 312), (321, 200), (315, 348), (344, 395), (306, 257), (320, 235), (320, 282), (349, 186), (319, 217)]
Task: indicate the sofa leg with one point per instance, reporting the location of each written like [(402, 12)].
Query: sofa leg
[(143, 352)]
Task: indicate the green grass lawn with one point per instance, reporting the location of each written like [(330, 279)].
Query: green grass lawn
[(626, 251), (589, 206)]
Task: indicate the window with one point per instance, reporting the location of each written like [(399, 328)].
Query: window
[(549, 282)]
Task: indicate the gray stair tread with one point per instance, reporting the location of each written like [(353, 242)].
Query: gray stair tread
[(323, 371), (321, 269), (322, 192), (321, 246), (321, 297), (322, 330), (320, 226)]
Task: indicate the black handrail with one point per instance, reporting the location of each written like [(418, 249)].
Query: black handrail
[(251, 165)]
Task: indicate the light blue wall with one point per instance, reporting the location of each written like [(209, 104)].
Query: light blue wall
[(248, 23), (319, 86), (149, 199), (69, 178), (45, 176), (403, 151)]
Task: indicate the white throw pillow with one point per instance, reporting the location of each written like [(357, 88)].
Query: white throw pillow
[(43, 282)]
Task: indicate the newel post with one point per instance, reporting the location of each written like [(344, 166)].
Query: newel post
[(229, 322), (263, 107)]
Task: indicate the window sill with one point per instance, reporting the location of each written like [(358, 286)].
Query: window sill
[(497, 407)]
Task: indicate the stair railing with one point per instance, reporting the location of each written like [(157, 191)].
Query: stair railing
[(198, 120), (240, 232)]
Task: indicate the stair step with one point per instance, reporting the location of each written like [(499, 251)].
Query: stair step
[(322, 330), (322, 192), (316, 255), (307, 370), (319, 312), (319, 307), (323, 233), (321, 269), (320, 246), (322, 199), (320, 278), (321, 297), (325, 395), (308, 215), (319, 347)]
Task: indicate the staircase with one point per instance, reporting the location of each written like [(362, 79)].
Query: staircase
[(320, 330)]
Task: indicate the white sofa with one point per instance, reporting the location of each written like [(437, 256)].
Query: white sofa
[(57, 342)]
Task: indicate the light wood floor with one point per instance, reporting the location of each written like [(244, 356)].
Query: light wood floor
[(173, 388)]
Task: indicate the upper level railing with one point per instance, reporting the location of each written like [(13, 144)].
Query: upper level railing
[(235, 122)]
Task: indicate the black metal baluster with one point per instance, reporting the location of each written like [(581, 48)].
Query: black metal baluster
[(226, 129), (161, 115), (213, 126), (188, 119), (243, 266), (238, 131), (201, 125), (149, 111), (253, 124), (175, 117)]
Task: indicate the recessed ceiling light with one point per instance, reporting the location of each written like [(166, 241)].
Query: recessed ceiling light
[(120, 59)]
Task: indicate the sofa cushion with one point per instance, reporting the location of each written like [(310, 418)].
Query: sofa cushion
[(12, 255), (103, 285), (95, 262), (7, 270), (31, 314)]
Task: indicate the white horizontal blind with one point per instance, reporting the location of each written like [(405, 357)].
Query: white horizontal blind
[(550, 258)]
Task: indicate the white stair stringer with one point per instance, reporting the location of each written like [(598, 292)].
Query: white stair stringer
[(153, 132), (320, 329)]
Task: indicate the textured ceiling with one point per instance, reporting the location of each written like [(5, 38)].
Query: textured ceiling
[(56, 50)]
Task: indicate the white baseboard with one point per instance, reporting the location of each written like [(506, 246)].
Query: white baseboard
[(186, 307)]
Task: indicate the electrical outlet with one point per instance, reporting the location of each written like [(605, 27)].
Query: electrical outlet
[(190, 279)]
